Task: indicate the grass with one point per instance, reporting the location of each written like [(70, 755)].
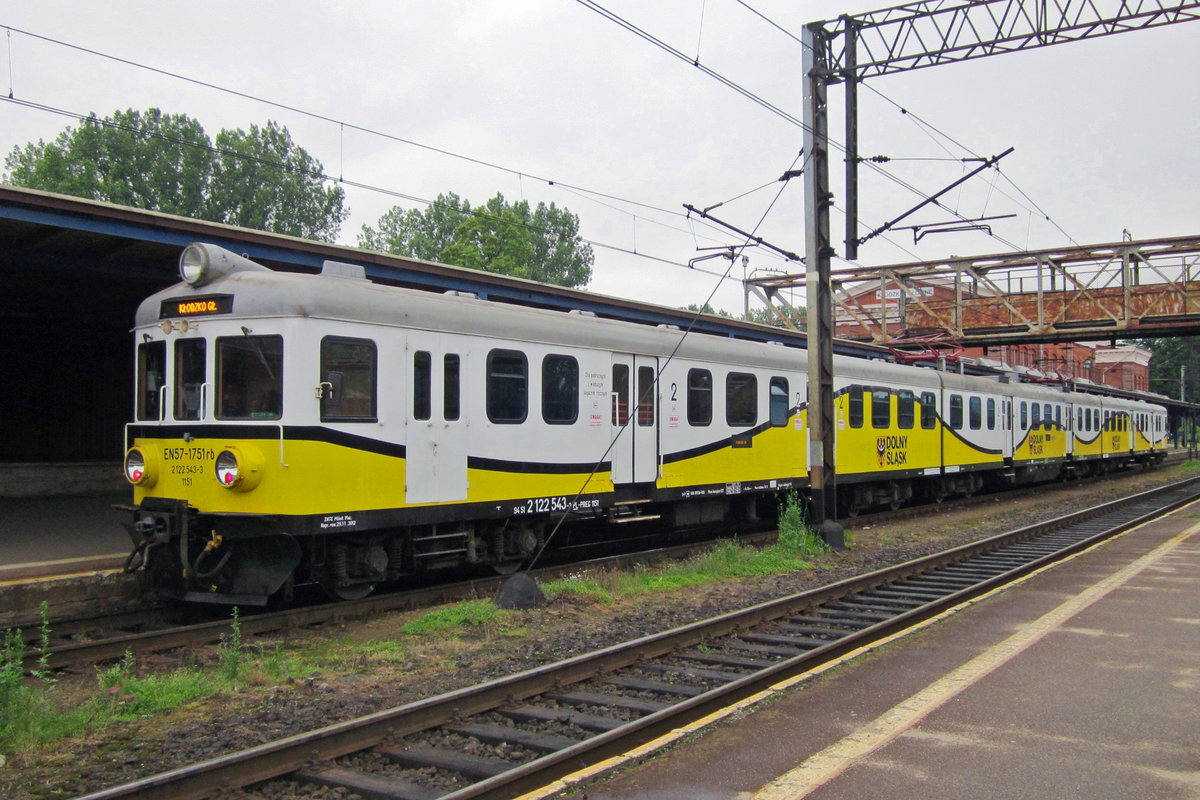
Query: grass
[(441, 620), (728, 560), (33, 710)]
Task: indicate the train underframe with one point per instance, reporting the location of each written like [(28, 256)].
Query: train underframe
[(253, 560), (855, 497), (250, 559)]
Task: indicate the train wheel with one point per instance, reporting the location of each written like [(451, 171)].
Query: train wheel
[(354, 591), (507, 568)]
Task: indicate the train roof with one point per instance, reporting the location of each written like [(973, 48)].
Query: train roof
[(345, 295)]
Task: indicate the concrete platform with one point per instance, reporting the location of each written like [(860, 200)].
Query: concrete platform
[(43, 529), (1083, 681), (80, 537)]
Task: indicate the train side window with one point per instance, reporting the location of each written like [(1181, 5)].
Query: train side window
[(1046, 415), (779, 398), (1058, 416), (855, 402), (646, 396), (975, 413), (507, 387), (956, 412), (189, 377), (928, 411), (1079, 419), (348, 380), (991, 414), (1037, 415), (1024, 415), (881, 409), (905, 412), (250, 377), (451, 404), (699, 398), (741, 399), (620, 395), (151, 376), (422, 385), (560, 390)]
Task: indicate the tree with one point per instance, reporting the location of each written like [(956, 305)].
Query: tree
[(415, 234), (263, 180), (166, 162), (1167, 359), (161, 162), (541, 244)]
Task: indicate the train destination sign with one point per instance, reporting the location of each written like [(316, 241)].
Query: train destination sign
[(196, 306)]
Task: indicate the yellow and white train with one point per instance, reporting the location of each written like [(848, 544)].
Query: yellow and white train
[(293, 428)]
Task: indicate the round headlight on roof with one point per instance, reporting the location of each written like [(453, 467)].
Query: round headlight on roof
[(193, 264)]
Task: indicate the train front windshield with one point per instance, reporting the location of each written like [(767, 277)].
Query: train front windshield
[(249, 379)]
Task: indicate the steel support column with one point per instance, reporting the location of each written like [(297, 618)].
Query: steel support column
[(818, 252)]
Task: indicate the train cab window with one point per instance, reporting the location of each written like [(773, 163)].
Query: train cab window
[(1024, 415), (975, 413), (699, 397), (646, 396), (250, 377), (560, 390), (507, 387), (881, 409), (928, 411), (855, 402), (956, 412), (779, 405), (991, 414), (451, 404), (741, 399), (348, 380), (905, 411), (422, 385), (151, 377), (189, 378)]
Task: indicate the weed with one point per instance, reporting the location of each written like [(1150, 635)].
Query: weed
[(23, 706), (794, 534), (119, 674), (232, 658), (580, 586)]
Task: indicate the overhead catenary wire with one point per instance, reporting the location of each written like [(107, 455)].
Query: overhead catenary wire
[(344, 125), (665, 362), (926, 126)]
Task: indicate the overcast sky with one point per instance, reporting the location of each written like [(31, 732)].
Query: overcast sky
[(1104, 130)]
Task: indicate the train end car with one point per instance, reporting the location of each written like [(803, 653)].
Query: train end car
[(324, 429)]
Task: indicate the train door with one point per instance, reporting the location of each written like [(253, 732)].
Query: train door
[(436, 431), (634, 419), (1006, 425)]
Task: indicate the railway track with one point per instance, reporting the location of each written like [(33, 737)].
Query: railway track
[(543, 723), (77, 643)]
